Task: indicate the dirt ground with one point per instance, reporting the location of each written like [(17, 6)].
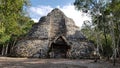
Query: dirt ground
[(7, 62)]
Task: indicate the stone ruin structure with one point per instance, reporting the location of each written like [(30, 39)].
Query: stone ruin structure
[(54, 36)]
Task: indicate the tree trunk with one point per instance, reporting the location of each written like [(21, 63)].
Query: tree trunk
[(105, 37), (114, 60), (113, 42), (106, 41), (12, 46), (6, 50), (3, 50)]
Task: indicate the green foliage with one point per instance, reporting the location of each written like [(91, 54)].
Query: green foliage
[(4, 38), (25, 24), (103, 13), (13, 21)]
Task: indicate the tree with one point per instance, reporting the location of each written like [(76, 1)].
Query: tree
[(96, 8), (114, 17), (12, 14), (105, 18)]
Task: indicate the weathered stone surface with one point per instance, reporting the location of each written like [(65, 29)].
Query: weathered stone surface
[(38, 41), (28, 48)]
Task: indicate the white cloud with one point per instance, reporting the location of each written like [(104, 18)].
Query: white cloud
[(76, 15), (69, 11), (41, 10), (35, 20)]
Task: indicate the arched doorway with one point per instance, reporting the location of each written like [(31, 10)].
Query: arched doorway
[(59, 48)]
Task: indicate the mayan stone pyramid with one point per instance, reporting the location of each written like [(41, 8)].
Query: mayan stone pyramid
[(54, 36)]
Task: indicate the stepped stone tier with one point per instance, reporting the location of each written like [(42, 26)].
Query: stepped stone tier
[(54, 36)]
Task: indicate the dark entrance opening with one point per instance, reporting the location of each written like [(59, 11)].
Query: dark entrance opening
[(59, 48)]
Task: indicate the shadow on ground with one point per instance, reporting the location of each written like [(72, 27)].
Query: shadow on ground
[(6, 62), (35, 63)]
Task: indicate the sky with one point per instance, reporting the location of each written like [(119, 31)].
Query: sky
[(41, 8)]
